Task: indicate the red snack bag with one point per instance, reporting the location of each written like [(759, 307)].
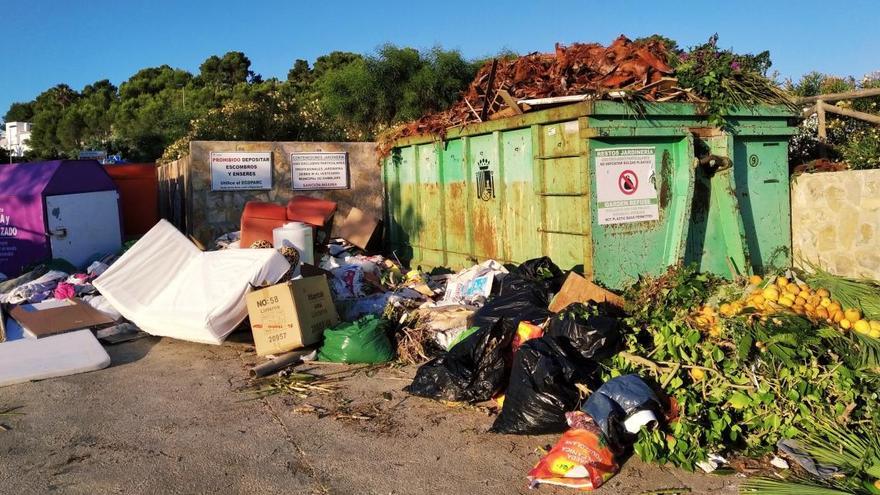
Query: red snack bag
[(525, 331), (580, 459)]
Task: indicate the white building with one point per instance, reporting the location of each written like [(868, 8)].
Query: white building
[(17, 136)]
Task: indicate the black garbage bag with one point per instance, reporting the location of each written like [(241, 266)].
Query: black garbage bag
[(546, 371), (593, 336), (539, 273), (622, 406), (474, 369), (508, 309), (542, 388)]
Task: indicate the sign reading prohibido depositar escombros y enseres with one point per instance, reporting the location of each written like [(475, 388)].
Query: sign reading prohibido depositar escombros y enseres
[(310, 171), (241, 171)]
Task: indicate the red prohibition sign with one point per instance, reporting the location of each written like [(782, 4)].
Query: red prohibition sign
[(628, 182)]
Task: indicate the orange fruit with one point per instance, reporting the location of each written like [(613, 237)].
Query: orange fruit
[(771, 294), (853, 315), (861, 326)]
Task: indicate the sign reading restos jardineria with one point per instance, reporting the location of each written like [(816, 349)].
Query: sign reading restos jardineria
[(318, 170), (241, 171)]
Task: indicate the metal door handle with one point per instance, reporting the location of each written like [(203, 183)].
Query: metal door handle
[(59, 233)]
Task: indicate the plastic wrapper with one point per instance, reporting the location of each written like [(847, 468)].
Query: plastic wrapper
[(525, 331), (361, 341), (622, 406), (473, 285), (348, 282), (581, 459)]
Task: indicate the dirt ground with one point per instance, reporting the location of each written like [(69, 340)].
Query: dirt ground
[(171, 417)]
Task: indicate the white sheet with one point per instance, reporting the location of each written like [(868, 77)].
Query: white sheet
[(167, 287), (24, 360)]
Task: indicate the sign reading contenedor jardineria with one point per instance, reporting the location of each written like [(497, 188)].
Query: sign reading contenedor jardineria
[(241, 171), (311, 171)]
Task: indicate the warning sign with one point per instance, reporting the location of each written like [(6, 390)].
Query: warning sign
[(628, 182), (625, 190), (241, 171)]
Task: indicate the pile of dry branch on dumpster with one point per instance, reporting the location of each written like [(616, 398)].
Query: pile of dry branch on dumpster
[(581, 68), (635, 71)]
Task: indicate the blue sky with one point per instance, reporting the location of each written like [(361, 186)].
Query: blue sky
[(77, 42)]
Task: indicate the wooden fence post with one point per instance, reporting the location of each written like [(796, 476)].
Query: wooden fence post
[(823, 133)]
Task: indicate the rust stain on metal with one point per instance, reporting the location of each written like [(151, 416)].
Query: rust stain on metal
[(455, 209), (484, 235)]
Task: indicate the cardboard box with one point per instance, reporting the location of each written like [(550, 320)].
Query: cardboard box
[(578, 289), (290, 315), (57, 316), (358, 228)]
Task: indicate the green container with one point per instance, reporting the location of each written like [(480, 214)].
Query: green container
[(601, 187)]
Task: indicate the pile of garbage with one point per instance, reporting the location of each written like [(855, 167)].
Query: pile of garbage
[(684, 369)]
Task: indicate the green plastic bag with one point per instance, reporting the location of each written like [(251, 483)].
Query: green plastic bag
[(463, 335), (361, 341)]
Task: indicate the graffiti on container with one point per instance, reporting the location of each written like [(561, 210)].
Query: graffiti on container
[(485, 181)]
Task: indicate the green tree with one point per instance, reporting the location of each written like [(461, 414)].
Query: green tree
[(50, 108), (231, 69), (154, 108), (20, 112), (396, 84), (332, 61), (300, 71)]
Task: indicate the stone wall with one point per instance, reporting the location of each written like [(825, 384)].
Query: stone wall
[(208, 214), (835, 220)]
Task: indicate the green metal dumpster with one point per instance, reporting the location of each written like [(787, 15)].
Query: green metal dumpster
[(605, 188)]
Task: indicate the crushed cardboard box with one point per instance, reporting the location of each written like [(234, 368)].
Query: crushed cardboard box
[(57, 316), (578, 289), (357, 228), (291, 315)]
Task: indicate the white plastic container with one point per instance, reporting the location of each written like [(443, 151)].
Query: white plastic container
[(297, 235)]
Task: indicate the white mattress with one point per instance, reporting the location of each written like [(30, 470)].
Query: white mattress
[(168, 287), (24, 360)]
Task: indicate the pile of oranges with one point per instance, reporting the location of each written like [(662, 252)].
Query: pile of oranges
[(783, 294)]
